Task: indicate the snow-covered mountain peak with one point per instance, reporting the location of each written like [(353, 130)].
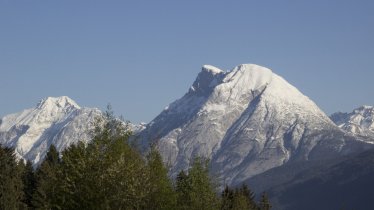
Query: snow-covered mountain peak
[(54, 120), (61, 102), (248, 77), (360, 121), (245, 121)]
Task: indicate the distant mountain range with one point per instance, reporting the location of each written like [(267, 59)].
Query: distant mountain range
[(251, 123)]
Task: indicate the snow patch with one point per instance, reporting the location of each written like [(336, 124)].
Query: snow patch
[(212, 69)]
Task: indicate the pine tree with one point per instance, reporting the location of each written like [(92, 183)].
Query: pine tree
[(10, 181)]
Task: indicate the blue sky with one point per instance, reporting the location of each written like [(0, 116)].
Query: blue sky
[(142, 55)]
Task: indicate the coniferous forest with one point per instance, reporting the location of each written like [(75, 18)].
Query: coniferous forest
[(109, 173)]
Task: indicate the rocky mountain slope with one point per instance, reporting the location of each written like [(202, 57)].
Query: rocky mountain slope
[(59, 121), (246, 121)]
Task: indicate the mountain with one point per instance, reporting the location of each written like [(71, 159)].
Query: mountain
[(341, 183), (59, 121), (246, 121), (359, 122)]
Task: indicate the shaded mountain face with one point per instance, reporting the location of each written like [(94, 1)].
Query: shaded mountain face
[(359, 122), (246, 121), (59, 121), (342, 183)]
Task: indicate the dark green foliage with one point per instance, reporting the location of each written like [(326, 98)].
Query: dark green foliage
[(247, 195), (107, 174), (227, 199), (264, 202), (10, 181), (161, 194), (29, 184), (196, 190), (47, 181), (240, 198), (183, 188)]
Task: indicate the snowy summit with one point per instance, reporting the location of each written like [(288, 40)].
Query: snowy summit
[(246, 121), (54, 120)]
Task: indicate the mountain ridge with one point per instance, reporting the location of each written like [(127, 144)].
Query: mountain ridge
[(246, 121), (359, 122), (54, 120)]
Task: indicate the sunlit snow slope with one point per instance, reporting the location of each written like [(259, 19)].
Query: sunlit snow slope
[(246, 121), (59, 121)]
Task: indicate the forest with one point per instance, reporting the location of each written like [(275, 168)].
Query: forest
[(110, 173)]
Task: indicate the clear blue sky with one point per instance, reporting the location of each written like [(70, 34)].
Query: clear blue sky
[(142, 55)]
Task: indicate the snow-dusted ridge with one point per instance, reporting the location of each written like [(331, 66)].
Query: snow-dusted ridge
[(245, 121), (54, 120), (359, 122)]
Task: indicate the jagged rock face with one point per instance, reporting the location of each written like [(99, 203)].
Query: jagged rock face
[(245, 121), (59, 121), (360, 121)]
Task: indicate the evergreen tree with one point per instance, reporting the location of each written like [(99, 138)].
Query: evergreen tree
[(29, 184), (47, 181), (249, 196), (240, 202), (183, 188), (197, 188), (227, 198), (161, 194), (10, 181), (240, 198), (264, 202), (76, 184)]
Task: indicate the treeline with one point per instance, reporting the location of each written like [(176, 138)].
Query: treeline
[(108, 173)]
